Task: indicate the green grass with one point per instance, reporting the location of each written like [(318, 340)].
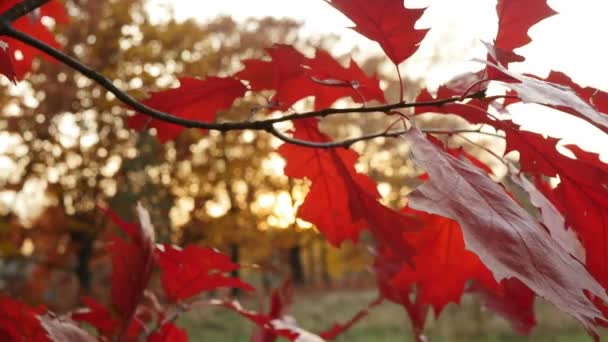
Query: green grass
[(386, 323)]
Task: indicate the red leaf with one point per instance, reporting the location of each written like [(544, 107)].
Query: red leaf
[(273, 327), (189, 271), (326, 205), (515, 17), (132, 264), (19, 322), (283, 73), (533, 90), (514, 301), (338, 328), (582, 194), (442, 265), (596, 97), (98, 316), (341, 202), (386, 266), (294, 77), (552, 218), (6, 62), (32, 25), (504, 236), (340, 81), (169, 332), (194, 99), (387, 22), (280, 300), (64, 330)]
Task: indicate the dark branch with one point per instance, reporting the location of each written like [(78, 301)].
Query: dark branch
[(22, 8), (260, 125)]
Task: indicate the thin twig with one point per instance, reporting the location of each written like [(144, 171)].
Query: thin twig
[(22, 8), (260, 125)]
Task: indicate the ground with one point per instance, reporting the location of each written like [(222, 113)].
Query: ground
[(387, 323)]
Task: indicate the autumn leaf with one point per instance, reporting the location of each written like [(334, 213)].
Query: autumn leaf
[(293, 77), (272, 326), (534, 90), (169, 332), (98, 316), (504, 236), (326, 204), (387, 22), (581, 195), (19, 322), (442, 266), (6, 62), (339, 328), (387, 265), (194, 99), (552, 218), (280, 300), (61, 329), (192, 270), (593, 96), (132, 264), (514, 302), (515, 18), (33, 26), (341, 202), (337, 81)]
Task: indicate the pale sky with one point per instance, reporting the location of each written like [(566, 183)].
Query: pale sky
[(572, 42)]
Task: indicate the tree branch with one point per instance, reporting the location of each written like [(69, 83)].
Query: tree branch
[(259, 125), (22, 8)]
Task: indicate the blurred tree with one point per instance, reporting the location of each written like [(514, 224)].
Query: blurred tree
[(66, 135)]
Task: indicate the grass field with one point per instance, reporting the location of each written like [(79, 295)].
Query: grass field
[(386, 323)]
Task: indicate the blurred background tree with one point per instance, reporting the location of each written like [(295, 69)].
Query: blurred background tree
[(66, 149)]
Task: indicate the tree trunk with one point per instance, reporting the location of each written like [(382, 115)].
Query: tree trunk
[(234, 255), (295, 263)]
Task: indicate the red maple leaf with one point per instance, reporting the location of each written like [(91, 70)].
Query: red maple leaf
[(387, 22), (132, 264), (339, 328), (269, 325), (504, 236), (97, 316), (33, 26), (442, 265), (194, 99), (515, 17), (293, 77), (169, 332), (189, 271), (19, 322), (341, 202), (551, 217), (514, 301), (283, 73), (582, 194), (533, 90), (386, 266), (6, 62), (594, 96), (280, 300), (337, 81)]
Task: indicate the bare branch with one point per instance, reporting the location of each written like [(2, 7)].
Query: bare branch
[(260, 125), (22, 8)]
